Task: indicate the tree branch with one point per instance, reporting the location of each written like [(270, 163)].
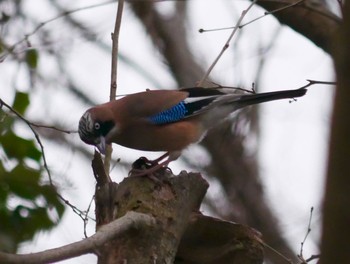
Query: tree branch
[(11, 48), (46, 167), (318, 24), (227, 44), (114, 68), (131, 221)]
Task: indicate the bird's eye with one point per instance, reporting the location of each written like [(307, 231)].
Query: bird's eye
[(97, 126)]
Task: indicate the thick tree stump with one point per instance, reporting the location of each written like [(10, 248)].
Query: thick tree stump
[(170, 201), (181, 233)]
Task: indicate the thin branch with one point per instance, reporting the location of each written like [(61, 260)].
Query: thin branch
[(2, 103), (131, 220), (115, 48), (313, 257), (54, 128), (312, 82), (114, 68), (266, 13), (42, 24), (227, 44), (36, 135), (75, 209), (88, 32), (300, 256), (86, 219), (252, 90), (286, 260), (307, 232), (284, 7), (29, 124), (272, 12)]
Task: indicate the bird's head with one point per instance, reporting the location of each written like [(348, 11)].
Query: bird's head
[(94, 126)]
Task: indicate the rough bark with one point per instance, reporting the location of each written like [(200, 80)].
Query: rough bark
[(336, 219), (92, 244), (181, 233), (170, 200)]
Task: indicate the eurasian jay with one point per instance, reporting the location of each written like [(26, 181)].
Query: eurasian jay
[(166, 120)]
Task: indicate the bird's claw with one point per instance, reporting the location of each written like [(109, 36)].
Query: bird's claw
[(148, 168), (143, 163)]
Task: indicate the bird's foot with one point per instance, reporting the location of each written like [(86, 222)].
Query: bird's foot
[(143, 163), (148, 168)]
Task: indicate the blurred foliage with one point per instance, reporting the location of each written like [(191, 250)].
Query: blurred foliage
[(32, 58), (27, 204)]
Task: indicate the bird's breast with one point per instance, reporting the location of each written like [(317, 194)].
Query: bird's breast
[(167, 137)]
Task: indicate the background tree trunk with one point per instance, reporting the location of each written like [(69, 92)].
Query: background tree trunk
[(336, 219)]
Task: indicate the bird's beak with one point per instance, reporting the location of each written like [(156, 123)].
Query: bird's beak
[(102, 145)]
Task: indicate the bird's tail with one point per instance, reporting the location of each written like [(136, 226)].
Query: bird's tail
[(251, 99)]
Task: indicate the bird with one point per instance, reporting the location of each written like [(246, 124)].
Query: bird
[(167, 120)]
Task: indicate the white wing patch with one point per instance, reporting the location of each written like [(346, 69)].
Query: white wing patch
[(189, 100)]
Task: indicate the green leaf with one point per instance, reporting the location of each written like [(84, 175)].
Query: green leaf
[(19, 148), (4, 188), (26, 221), (24, 182), (21, 102), (32, 57), (40, 218), (50, 194), (6, 121)]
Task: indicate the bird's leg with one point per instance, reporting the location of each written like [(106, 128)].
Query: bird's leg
[(155, 165), (143, 163), (148, 170), (156, 161)]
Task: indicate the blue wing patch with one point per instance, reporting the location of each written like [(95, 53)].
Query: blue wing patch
[(173, 114)]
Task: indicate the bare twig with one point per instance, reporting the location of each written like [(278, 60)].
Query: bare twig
[(42, 24), (227, 44), (217, 85), (2, 103), (29, 124), (36, 135), (86, 218), (252, 90), (286, 260), (115, 48), (131, 220), (312, 82), (54, 128), (284, 7), (306, 235), (313, 257), (266, 13), (300, 256), (114, 68)]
